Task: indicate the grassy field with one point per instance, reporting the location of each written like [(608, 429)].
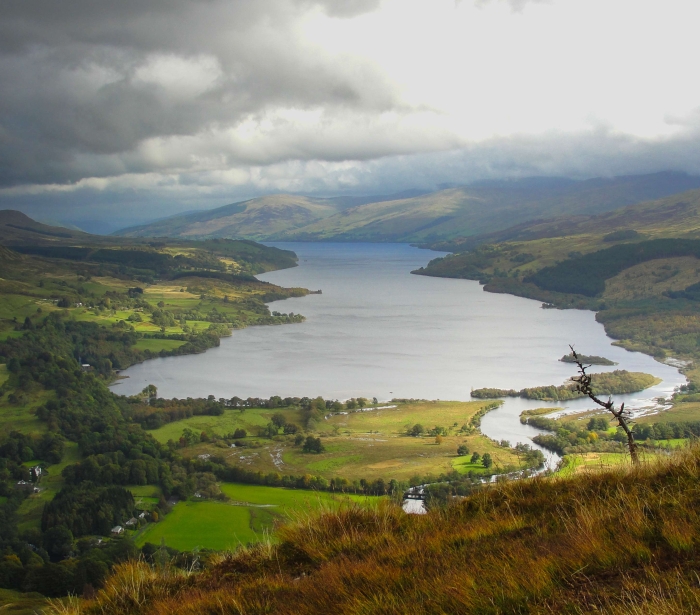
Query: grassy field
[(19, 603), (613, 542), (250, 516), (358, 445), (209, 525), (228, 422), (155, 345), (679, 413)]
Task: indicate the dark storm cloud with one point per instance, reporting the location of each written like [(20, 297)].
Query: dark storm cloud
[(72, 77)]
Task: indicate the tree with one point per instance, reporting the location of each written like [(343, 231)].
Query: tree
[(278, 419), (486, 460), (240, 433), (313, 445), (416, 430), (583, 385), (462, 450), (475, 457), (58, 541), (438, 439)]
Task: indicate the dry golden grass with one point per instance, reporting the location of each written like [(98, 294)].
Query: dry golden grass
[(620, 541)]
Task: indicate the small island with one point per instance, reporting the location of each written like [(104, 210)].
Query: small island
[(618, 382), (587, 359)]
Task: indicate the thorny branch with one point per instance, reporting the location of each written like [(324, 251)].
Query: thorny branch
[(583, 384)]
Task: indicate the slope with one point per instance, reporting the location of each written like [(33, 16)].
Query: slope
[(675, 216), (614, 542), (254, 219), (17, 228)]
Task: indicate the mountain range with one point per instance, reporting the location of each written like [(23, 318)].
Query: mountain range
[(459, 212)]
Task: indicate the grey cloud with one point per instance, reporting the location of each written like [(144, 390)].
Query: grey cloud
[(587, 155), (349, 8), (54, 111)]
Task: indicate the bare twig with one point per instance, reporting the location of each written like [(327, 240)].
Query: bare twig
[(583, 384)]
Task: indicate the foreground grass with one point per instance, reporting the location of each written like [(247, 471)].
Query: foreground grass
[(621, 541)]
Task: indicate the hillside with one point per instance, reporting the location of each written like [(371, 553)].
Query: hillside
[(261, 218), (677, 215), (17, 228), (476, 209), (615, 542), (255, 219)]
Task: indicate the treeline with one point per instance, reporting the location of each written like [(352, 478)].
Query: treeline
[(568, 437), (162, 411), (618, 382), (586, 275)]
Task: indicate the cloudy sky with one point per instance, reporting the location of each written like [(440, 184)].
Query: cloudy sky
[(113, 113)]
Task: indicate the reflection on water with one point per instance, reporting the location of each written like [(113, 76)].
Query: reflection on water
[(379, 331)]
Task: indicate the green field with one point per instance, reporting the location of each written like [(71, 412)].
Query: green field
[(228, 422), (155, 345), (227, 525), (358, 445), (209, 525)]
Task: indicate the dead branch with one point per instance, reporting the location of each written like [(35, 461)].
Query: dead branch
[(583, 384)]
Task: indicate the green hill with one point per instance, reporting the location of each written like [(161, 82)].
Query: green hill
[(467, 211)]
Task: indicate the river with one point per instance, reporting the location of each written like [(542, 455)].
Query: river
[(378, 331)]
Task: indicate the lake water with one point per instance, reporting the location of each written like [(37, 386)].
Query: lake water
[(378, 331)]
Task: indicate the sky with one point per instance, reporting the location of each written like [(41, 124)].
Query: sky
[(115, 113)]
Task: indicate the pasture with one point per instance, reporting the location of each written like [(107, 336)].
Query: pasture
[(371, 444), (251, 515)]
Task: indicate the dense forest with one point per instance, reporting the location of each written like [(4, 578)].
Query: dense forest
[(586, 275)]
